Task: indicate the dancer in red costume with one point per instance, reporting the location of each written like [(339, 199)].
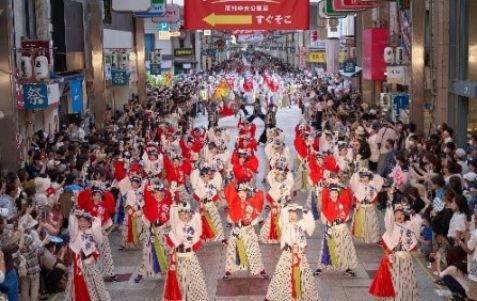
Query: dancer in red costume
[(243, 251)]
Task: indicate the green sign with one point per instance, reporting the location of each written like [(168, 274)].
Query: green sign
[(157, 2), (119, 78), (155, 69), (349, 66)]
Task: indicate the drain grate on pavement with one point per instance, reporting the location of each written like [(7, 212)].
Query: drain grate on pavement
[(242, 287)]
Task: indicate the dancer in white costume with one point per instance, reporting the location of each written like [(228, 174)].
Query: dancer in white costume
[(293, 278)]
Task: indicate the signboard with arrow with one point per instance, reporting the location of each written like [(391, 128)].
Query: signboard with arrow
[(246, 14)]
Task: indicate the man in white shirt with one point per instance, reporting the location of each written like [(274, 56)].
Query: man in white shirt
[(374, 147), (387, 132)]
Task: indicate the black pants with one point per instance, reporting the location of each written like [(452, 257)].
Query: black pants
[(373, 166), (255, 115), (454, 286), (263, 138)]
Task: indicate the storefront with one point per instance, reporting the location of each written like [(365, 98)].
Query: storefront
[(463, 68)]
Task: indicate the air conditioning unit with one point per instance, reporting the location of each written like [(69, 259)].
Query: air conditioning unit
[(353, 52), (400, 55), (385, 100), (389, 55)]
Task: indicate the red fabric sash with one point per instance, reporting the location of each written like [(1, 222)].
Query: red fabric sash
[(382, 285), (80, 289), (172, 290)]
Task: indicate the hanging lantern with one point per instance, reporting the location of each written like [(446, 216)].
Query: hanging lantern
[(41, 67), (26, 67), (124, 60)]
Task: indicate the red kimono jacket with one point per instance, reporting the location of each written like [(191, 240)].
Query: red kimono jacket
[(338, 210), (157, 210), (177, 174), (107, 206), (243, 211)]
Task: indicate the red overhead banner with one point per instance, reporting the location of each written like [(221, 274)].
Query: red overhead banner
[(247, 14)]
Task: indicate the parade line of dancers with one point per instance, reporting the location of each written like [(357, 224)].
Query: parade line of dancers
[(169, 201)]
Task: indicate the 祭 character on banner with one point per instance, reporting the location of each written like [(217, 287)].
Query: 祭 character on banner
[(206, 193), (185, 278), (293, 278), (395, 278), (100, 203), (132, 223), (157, 204), (85, 283), (337, 250), (243, 251), (366, 186), (281, 183)]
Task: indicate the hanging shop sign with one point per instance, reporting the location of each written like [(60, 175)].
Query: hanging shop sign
[(157, 9), (251, 15), (316, 57), (326, 10), (349, 66), (76, 90), (163, 26), (35, 96), (131, 6), (34, 47), (400, 104), (374, 65), (155, 69), (53, 93), (171, 14), (182, 52), (164, 35), (397, 75), (119, 78), (351, 5)]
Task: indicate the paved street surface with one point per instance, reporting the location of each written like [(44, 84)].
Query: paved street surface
[(332, 286)]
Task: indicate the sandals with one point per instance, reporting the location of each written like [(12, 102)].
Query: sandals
[(350, 272), (226, 276), (264, 275), (317, 272), (138, 278)]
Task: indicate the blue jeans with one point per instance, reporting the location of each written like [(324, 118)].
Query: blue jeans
[(10, 285)]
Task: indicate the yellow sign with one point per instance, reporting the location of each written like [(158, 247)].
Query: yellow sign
[(164, 35), (214, 19), (343, 55), (317, 57), (175, 34)]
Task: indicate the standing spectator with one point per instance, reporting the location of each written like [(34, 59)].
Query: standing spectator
[(374, 146), (386, 133)]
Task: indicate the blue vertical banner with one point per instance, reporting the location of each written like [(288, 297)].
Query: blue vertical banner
[(35, 96), (76, 90)]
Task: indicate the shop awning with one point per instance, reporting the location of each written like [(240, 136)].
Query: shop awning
[(351, 74)]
